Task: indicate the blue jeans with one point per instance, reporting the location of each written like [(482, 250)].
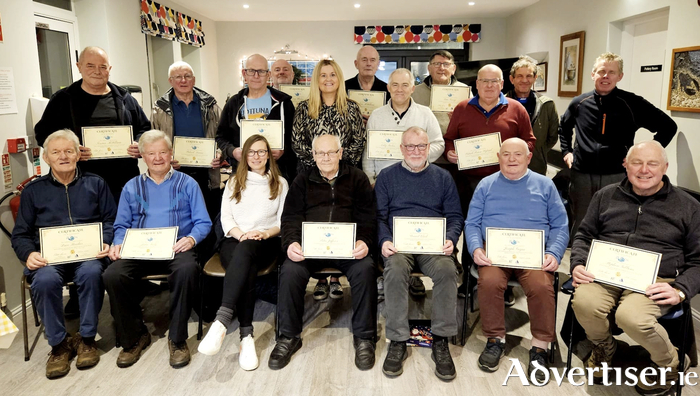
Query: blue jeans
[(47, 290)]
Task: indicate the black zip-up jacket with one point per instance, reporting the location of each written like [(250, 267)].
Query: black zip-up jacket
[(605, 129), (668, 222), (47, 203), (349, 200)]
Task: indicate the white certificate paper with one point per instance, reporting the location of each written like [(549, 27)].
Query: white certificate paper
[(328, 240), (108, 141), (198, 152), (367, 100), (515, 248), (478, 151), (149, 243), (272, 130), (299, 93), (419, 235), (68, 244), (444, 98), (623, 266), (384, 145)]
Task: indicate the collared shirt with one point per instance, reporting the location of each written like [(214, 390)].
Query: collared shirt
[(405, 165), (187, 119), (147, 174), (501, 101), (398, 116), (77, 171), (330, 181), (528, 103), (525, 174)]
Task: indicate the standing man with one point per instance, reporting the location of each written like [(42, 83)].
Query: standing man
[(606, 120), (282, 73), (367, 63), (543, 114)]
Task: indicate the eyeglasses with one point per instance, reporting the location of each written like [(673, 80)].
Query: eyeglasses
[(412, 147), (443, 64), (331, 154), (490, 82), (186, 77), (259, 72), (260, 153)]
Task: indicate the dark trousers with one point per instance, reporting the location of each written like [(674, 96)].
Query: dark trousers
[(295, 276), (122, 281), (242, 261), (581, 190)]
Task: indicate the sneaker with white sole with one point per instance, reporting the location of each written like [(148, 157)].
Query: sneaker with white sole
[(248, 358), (211, 343)]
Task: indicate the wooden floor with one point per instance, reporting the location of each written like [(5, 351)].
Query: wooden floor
[(324, 365)]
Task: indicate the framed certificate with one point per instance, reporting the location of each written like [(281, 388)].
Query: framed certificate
[(68, 244), (623, 266), (515, 248), (108, 141), (299, 93), (273, 130), (149, 243), (419, 235), (384, 145), (444, 98), (328, 240), (478, 151), (189, 151), (367, 100)]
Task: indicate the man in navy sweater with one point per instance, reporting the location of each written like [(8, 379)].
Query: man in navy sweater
[(415, 188)]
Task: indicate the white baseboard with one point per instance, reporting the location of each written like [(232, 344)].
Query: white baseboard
[(17, 311)]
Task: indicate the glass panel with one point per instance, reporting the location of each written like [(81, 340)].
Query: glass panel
[(385, 68), (64, 4), (420, 71), (54, 60)]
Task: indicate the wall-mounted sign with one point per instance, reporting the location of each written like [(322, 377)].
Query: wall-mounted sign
[(651, 68)]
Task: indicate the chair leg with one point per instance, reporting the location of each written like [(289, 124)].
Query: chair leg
[(201, 305), (555, 344), (277, 327), (37, 322), (466, 279), (681, 358), (25, 333), (570, 343)]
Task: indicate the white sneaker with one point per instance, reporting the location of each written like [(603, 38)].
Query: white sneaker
[(211, 343), (248, 358)]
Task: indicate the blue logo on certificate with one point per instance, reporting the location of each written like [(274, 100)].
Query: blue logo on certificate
[(107, 137), (261, 130), (621, 259), (70, 238), (477, 147), (194, 147), (328, 234), (513, 242), (418, 229)]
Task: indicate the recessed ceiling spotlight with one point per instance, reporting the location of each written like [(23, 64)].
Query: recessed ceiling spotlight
[(246, 6), (471, 3), (357, 5)]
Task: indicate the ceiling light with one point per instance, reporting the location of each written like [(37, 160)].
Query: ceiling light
[(357, 5), (246, 6), (471, 3)]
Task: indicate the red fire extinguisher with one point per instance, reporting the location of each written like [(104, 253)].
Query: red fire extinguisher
[(14, 202)]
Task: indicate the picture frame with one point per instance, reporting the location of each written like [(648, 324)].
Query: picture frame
[(571, 50), (684, 80), (540, 84)]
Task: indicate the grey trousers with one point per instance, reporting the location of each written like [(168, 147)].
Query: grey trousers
[(581, 190), (442, 271)]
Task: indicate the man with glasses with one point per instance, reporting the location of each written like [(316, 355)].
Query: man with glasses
[(367, 63), (282, 73), (415, 188), (257, 101), (330, 191)]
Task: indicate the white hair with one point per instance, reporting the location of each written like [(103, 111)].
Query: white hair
[(153, 136), (63, 134), (418, 131), (403, 70), (337, 139), (179, 65), (653, 143)]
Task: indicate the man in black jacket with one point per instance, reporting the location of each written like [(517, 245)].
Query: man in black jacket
[(330, 192), (606, 120)]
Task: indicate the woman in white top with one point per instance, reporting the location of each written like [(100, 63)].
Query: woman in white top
[(251, 209)]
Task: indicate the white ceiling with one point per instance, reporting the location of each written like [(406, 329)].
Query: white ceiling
[(344, 10)]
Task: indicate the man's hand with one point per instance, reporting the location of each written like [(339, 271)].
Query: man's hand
[(581, 276), (277, 154), (175, 164), (133, 150), (481, 259), (388, 249), (104, 252), (294, 252), (451, 156), (85, 153), (35, 261), (115, 252), (184, 244), (360, 251), (216, 163), (448, 247), (663, 294), (237, 154), (569, 159), (550, 263)]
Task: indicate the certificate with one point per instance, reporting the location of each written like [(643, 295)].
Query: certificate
[(367, 100), (272, 130), (478, 151), (623, 266), (68, 244), (444, 98), (515, 248), (419, 235), (149, 243), (328, 240), (189, 151), (108, 141), (299, 93), (384, 145)]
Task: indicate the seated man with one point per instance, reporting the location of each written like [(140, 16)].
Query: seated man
[(415, 188), (643, 211), (331, 191), (516, 197), (161, 197), (65, 196)]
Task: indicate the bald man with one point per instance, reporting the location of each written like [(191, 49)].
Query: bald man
[(367, 63), (282, 73)]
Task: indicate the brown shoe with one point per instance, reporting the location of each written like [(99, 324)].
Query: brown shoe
[(179, 354), (599, 355), (129, 356), (60, 356), (87, 352)]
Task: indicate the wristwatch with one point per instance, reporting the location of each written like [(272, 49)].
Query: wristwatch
[(680, 294)]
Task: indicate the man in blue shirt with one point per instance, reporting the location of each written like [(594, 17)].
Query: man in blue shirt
[(161, 197)]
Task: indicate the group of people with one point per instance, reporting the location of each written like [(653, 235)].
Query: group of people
[(324, 174)]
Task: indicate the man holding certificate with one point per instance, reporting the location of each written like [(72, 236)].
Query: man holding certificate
[(415, 195), (161, 217), (367, 64), (330, 215), (516, 226), (59, 202), (644, 211)]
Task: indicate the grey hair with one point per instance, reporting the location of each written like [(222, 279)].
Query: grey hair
[(92, 49), (63, 134), (524, 61), (179, 65), (653, 143), (415, 130), (153, 136), (403, 70), (337, 139)]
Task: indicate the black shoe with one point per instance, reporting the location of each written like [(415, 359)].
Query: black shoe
[(283, 351), (416, 287), (395, 355), (364, 352), (539, 356), (491, 356), (509, 297), (444, 366)]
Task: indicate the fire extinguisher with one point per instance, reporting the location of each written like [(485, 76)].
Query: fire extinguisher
[(14, 202)]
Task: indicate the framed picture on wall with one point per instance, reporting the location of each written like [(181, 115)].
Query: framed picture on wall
[(541, 79), (684, 84), (571, 63)]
